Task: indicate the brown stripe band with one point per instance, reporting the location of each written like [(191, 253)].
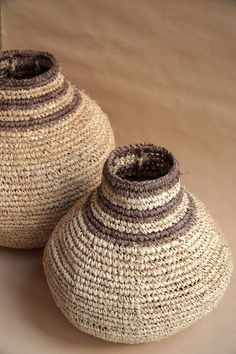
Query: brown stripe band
[(114, 236), (26, 103), (134, 215), (31, 124)]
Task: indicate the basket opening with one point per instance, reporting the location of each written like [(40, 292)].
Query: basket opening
[(145, 166), (25, 66)]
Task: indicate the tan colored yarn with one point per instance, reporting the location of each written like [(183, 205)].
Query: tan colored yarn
[(53, 142), (140, 258)]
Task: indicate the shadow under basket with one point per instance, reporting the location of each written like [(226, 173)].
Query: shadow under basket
[(53, 143), (139, 258)]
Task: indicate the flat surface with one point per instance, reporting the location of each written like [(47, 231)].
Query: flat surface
[(164, 71)]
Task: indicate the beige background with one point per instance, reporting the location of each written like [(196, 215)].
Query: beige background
[(164, 71)]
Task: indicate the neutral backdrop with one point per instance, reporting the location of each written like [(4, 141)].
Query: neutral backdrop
[(165, 72)]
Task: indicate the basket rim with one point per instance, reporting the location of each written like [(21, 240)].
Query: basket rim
[(34, 81), (165, 181)]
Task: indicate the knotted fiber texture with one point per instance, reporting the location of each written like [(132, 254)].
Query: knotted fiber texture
[(53, 143), (140, 258)]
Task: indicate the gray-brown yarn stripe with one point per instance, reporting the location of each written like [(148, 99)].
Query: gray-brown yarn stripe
[(24, 103), (34, 123), (136, 214), (143, 237)]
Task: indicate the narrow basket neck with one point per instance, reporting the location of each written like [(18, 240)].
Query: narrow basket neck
[(33, 92), (140, 200)]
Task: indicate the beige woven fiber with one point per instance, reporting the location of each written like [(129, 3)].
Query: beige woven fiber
[(53, 143), (139, 258)]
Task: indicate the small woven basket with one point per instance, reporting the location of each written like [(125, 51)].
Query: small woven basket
[(140, 258), (53, 143)]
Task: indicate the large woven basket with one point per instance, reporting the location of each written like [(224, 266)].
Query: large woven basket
[(53, 142), (140, 258)]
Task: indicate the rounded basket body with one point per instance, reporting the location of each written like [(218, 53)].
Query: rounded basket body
[(140, 258), (53, 143)]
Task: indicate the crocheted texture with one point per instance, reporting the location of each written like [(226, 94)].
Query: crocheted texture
[(53, 143), (140, 258)]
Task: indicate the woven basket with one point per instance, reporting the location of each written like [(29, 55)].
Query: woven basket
[(140, 258), (53, 142)]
